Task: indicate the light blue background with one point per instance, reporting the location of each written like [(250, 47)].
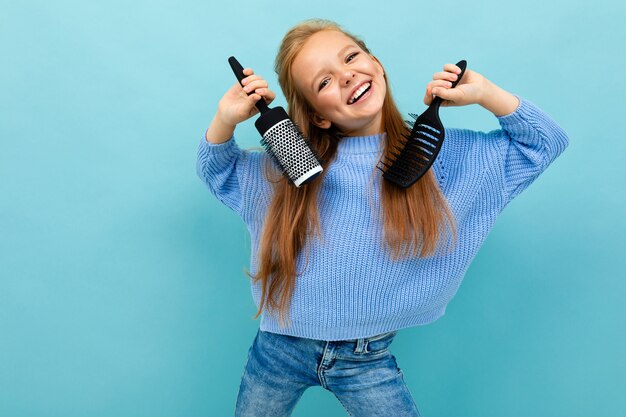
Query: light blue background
[(122, 290)]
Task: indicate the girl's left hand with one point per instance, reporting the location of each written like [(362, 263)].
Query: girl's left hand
[(470, 90)]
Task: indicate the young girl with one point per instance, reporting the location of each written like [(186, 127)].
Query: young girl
[(341, 264)]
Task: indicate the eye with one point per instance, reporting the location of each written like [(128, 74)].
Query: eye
[(323, 83), (348, 59)]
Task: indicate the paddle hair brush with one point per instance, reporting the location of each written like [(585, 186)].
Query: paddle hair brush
[(414, 157), (282, 139)]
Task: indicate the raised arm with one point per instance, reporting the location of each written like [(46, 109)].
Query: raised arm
[(236, 106), (516, 154), (221, 164)]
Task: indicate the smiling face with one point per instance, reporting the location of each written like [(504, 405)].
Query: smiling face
[(344, 84)]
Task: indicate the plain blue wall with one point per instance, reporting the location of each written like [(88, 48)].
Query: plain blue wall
[(121, 284)]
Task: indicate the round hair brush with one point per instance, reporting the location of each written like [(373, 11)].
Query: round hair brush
[(282, 139), (420, 148)]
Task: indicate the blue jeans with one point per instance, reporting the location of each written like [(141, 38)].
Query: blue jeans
[(361, 373)]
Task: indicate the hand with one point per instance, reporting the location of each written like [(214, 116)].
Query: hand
[(470, 90), (236, 105)]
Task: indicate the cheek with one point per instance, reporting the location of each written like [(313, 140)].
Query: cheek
[(328, 99), (383, 89)]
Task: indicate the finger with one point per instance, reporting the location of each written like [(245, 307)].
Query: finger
[(445, 75), (265, 92), (255, 85), (251, 78), (438, 83), (429, 95), (248, 73), (252, 99), (452, 68), (268, 95), (450, 94)]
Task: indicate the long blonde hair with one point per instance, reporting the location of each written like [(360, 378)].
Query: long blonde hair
[(414, 219)]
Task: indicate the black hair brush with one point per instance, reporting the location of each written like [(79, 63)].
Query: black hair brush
[(282, 139), (421, 147)]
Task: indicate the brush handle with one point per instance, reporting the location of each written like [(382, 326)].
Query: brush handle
[(438, 100), (238, 70)]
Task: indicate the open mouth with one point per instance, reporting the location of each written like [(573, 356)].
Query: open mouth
[(360, 92)]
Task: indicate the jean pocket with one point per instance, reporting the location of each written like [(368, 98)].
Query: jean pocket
[(380, 343)]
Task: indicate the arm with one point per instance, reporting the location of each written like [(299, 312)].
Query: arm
[(218, 131), (527, 144), (472, 89), (498, 101), (221, 164), (528, 141), (237, 105)]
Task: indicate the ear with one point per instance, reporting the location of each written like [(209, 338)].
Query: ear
[(319, 121)]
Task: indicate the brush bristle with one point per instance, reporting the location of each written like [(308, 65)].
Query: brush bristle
[(291, 152), (308, 143), (406, 164), (420, 148), (276, 161)]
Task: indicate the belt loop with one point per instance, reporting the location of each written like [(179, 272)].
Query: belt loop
[(360, 346)]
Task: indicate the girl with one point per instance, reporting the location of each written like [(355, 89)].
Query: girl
[(339, 265)]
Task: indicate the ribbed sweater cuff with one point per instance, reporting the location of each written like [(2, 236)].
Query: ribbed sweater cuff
[(525, 113), (214, 158), (217, 148), (523, 121)]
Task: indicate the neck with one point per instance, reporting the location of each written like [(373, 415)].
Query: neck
[(374, 127)]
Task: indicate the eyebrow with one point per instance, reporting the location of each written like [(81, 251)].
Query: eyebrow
[(339, 54)]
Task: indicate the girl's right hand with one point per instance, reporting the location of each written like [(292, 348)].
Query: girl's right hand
[(236, 105)]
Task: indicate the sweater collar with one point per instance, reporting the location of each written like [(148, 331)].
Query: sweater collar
[(360, 144)]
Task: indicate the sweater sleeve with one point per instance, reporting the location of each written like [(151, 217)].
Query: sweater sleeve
[(505, 161), (235, 177), (530, 141), (219, 166)]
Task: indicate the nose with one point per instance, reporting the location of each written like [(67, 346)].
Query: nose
[(347, 77)]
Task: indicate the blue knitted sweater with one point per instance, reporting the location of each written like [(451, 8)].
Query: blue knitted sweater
[(351, 288)]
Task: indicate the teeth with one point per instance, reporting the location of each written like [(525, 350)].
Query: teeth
[(358, 92)]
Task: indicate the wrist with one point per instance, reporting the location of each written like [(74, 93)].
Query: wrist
[(219, 131), (498, 101), (222, 121)]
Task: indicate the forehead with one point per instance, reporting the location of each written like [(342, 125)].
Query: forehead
[(325, 40), (320, 49)]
